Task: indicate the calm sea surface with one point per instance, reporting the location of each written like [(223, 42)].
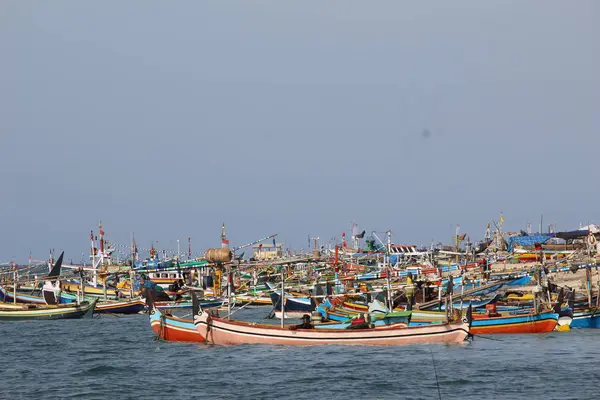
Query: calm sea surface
[(117, 357)]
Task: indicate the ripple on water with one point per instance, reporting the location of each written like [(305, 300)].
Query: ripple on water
[(109, 357)]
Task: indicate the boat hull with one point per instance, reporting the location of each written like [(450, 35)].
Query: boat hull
[(223, 332), (48, 313), (174, 329), (585, 319), (121, 307), (515, 324)]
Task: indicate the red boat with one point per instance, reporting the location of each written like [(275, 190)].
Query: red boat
[(495, 323), (174, 329)]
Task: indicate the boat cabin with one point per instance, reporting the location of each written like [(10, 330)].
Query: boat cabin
[(165, 278), (266, 251)]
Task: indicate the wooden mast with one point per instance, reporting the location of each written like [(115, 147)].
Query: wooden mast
[(282, 297)]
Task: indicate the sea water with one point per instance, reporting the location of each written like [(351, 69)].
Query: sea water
[(114, 357)]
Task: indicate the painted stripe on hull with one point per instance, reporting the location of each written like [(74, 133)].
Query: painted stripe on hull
[(585, 320), (511, 326), (232, 332), (174, 329), (121, 308), (173, 333), (48, 314)]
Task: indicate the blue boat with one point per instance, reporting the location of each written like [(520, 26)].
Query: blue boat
[(586, 319), (344, 320), (8, 297), (295, 307), (514, 324), (465, 304)]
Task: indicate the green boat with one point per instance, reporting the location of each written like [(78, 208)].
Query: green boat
[(9, 312)]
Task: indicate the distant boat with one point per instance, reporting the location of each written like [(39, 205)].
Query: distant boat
[(121, 307), (46, 312), (295, 307), (9, 297)]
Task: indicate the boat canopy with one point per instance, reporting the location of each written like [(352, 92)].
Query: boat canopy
[(528, 240)]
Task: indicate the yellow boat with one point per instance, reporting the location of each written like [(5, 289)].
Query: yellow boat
[(516, 297)]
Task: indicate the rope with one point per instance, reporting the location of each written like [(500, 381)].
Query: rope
[(483, 337), (161, 329), (208, 322), (437, 382)]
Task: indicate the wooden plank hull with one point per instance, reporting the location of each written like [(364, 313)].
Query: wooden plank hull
[(586, 319), (514, 324), (174, 329), (224, 332), (75, 287), (121, 307), (417, 315), (8, 297), (86, 309)]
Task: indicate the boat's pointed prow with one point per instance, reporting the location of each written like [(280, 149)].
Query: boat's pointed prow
[(196, 308)]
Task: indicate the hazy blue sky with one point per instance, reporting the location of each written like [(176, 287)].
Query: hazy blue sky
[(168, 118)]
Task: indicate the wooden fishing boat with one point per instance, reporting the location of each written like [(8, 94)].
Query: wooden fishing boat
[(294, 307), (475, 303), (589, 318), (187, 304), (529, 256), (226, 332), (175, 329), (420, 316), (349, 325), (496, 323), (47, 312), (75, 287), (9, 297), (121, 306), (252, 299)]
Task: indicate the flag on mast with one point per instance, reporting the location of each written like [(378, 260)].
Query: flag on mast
[(224, 241)]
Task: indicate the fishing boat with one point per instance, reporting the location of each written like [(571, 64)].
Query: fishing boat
[(377, 319), (228, 332), (187, 305), (495, 323), (47, 312), (475, 303), (417, 316), (586, 319), (175, 329), (89, 289), (9, 297), (253, 299), (294, 307), (121, 306)]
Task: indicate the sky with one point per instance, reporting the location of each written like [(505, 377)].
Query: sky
[(169, 118)]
